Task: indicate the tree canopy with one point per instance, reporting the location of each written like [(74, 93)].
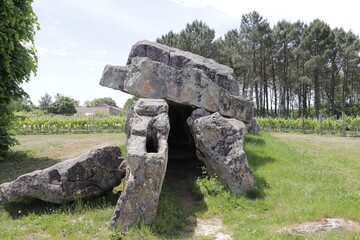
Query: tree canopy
[(290, 70), (63, 105), (18, 60), (128, 104), (98, 101), (45, 102), (197, 37)]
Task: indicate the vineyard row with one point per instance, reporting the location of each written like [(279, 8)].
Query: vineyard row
[(311, 125), (60, 125)]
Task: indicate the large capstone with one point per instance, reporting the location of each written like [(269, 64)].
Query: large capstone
[(157, 71), (147, 134), (90, 174), (219, 144), (178, 59)]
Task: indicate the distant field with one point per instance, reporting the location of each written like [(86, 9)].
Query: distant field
[(40, 151), (300, 178)]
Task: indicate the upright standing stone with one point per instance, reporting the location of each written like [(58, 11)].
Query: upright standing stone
[(147, 131), (219, 144)]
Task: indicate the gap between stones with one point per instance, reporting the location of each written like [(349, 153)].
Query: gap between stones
[(182, 170)]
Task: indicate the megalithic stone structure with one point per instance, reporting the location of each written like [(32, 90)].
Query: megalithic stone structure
[(199, 100)]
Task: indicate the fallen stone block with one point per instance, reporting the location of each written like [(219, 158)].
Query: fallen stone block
[(90, 174)]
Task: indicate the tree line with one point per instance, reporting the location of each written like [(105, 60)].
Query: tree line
[(62, 105), (290, 70)]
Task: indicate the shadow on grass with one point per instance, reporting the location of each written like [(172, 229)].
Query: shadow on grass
[(254, 139), (254, 146), (179, 202), (257, 160), (38, 207), (259, 192)]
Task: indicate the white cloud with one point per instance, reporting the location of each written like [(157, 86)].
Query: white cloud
[(228, 7), (41, 51), (59, 52), (100, 52), (191, 3), (92, 63)]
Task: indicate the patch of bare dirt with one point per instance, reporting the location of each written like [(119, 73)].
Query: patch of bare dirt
[(211, 227), (322, 225)]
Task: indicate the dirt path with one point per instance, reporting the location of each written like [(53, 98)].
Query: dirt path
[(183, 168)]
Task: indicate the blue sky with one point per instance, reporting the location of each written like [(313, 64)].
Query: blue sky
[(79, 37)]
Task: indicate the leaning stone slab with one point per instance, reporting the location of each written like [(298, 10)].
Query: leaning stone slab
[(90, 174), (219, 144), (147, 133), (189, 86)]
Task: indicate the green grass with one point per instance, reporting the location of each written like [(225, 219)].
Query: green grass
[(299, 177), (296, 183)]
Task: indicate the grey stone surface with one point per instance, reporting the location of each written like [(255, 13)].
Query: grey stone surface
[(90, 174), (178, 59), (253, 127), (147, 147), (219, 144), (322, 225), (189, 86)]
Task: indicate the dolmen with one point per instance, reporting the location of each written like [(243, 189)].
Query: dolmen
[(184, 99), (186, 103)]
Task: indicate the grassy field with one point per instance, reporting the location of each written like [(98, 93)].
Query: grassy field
[(300, 178)]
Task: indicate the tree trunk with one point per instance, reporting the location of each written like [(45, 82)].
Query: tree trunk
[(274, 86), (317, 95)]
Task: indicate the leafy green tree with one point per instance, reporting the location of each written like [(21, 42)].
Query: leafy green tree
[(98, 101), (18, 60), (289, 69), (348, 45), (287, 38), (197, 37), (229, 49), (64, 105), (170, 39), (128, 104), (45, 102), (317, 41), (23, 104), (255, 36)]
